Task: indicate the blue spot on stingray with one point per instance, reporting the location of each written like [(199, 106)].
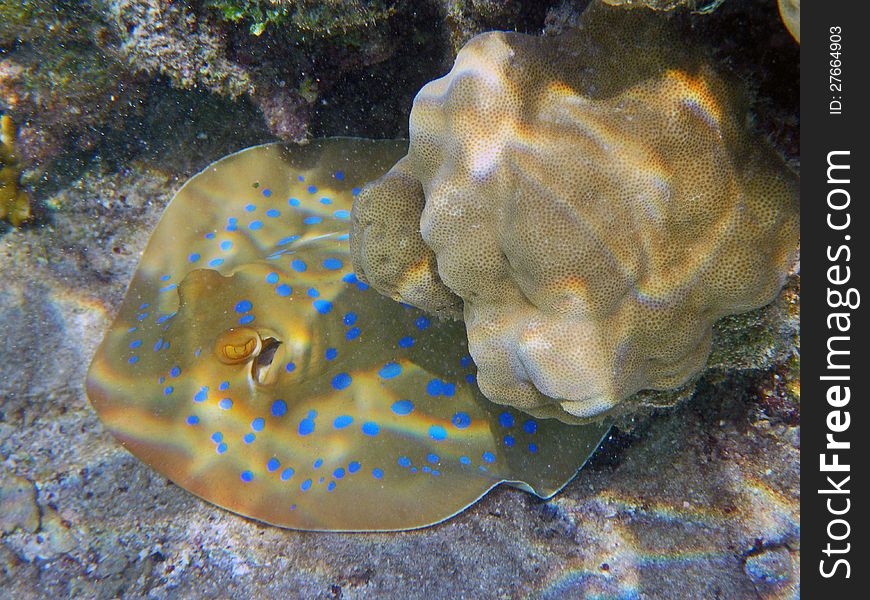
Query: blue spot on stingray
[(461, 420), (422, 323), (258, 424), (192, 420), (279, 408), (287, 474), (343, 236), (342, 421), (339, 175), (165, 277), (226, 404), (404, 461), (287, 240), (312, 220), (158, 345), (349, 318), (226, 245), (244, 306), (133, 360), (255, 225), (530, 426), (215, 262), (273, 212), (225, 385), (283, 290), (221, 448), (250, 208), (142, 317), (509, 440), (533, 447), (377, 473), (318, 463), (426, 469), (331, 353), (175, 372), (290, 367), (390, 370), (246, 319), (352, 333), (168, 390), (135, 343), (272, 278), (313, 293), (402, 407), (325, 200), (217, 437), (465, 361), (338, 473), (293, 202), (273, 464), (433, 458), (470, 378), (267, 192), (231, 228), (355, 191), (437, 433), (249, 438), (341, 381), (194, 257), (406, 342), (465, 460), (330, 486), (350, 278), (322, 306), (306, 426), (305, 485), (353, 467), (506, 419), (342, 214), (333, 264), (209, 236), (435, 387), (488, 457), (448, 389), (298, 265), (312, 189), (201, 395), (371, 428), (169, 287)]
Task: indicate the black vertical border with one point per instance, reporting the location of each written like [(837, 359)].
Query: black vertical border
[(822, 133)]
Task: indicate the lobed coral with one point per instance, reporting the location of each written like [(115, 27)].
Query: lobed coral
[(589, 208), (14, 202)]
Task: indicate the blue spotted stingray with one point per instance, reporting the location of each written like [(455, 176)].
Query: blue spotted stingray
[(250, 366)]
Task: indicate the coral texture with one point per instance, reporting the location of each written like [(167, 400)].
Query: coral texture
[(590, 208)]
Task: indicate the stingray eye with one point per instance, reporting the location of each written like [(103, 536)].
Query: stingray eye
[(238, 345)]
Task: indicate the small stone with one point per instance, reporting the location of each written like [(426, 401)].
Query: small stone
[(771, 566), (18, 504)]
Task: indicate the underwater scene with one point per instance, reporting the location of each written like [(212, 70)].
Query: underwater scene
[(400, 299)]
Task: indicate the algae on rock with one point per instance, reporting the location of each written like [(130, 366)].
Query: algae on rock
[(14, 202)]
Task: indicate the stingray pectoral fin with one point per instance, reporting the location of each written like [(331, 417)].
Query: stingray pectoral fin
[(253, 369)]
